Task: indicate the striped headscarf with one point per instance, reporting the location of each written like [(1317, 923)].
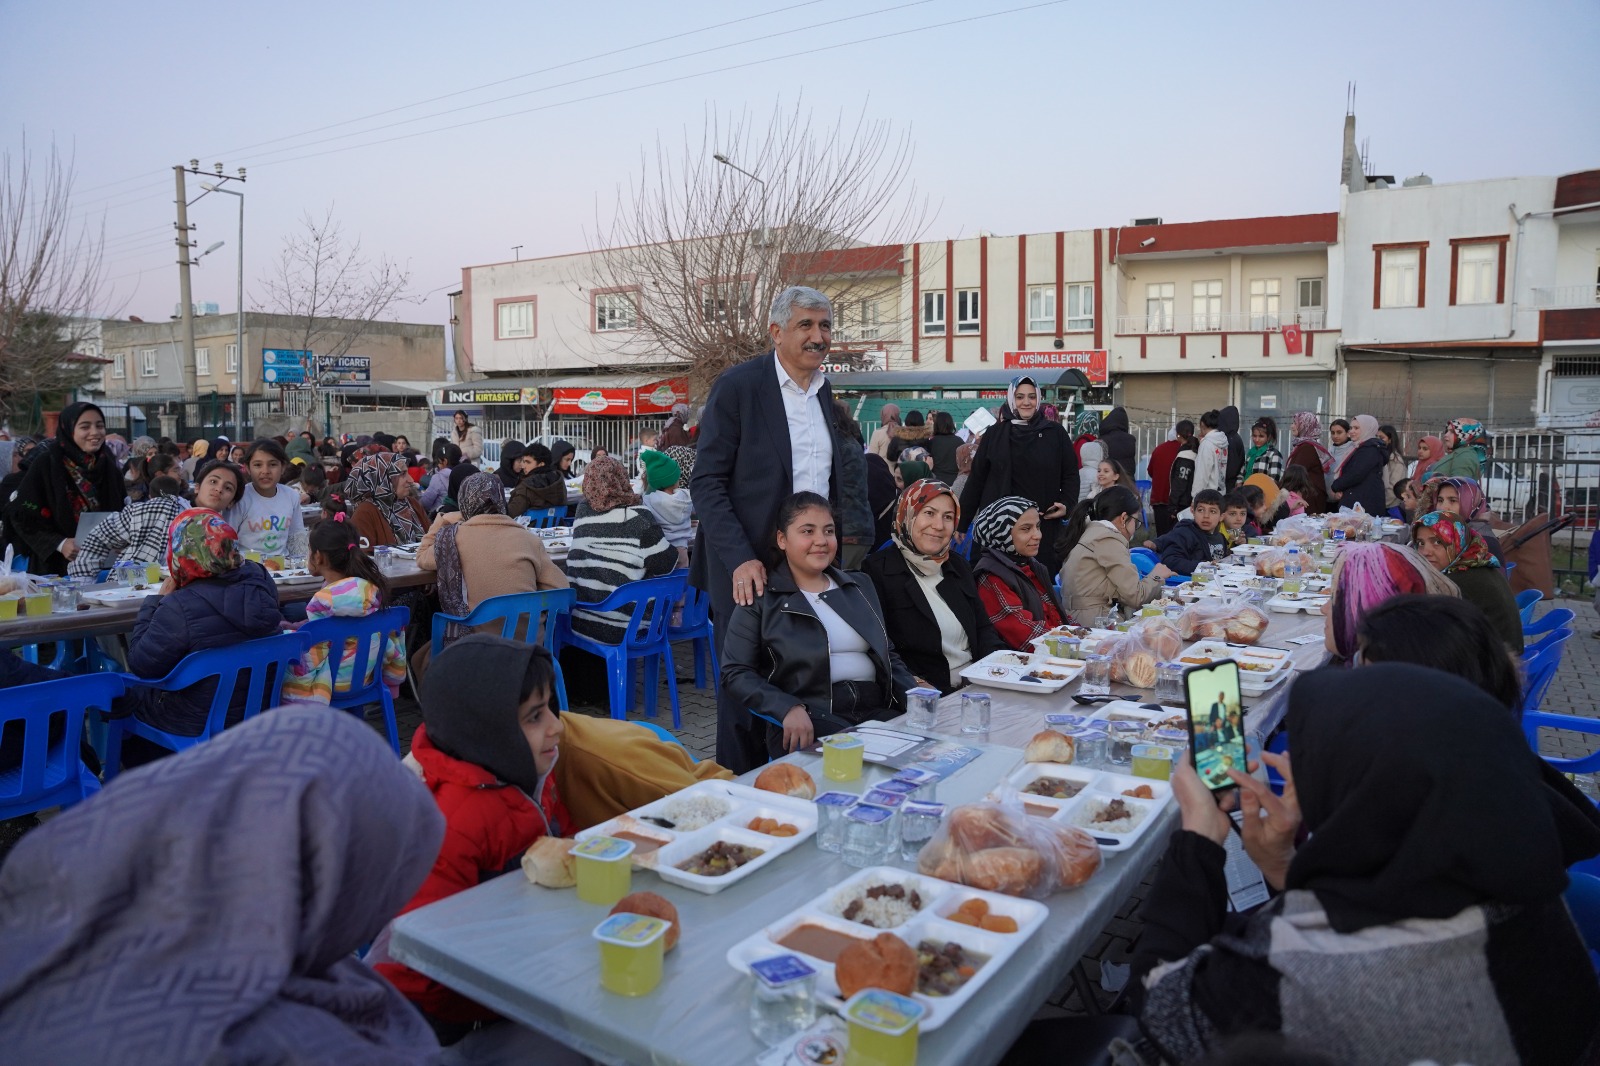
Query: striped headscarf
[(1470, 434), (992, 526), (1468, 549), (200, 545), (684, 457), (917, 496)]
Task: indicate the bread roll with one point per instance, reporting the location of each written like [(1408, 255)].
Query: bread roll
[(1077, 856), (653, 906), (978, 826), (787, 779), (885, 962), (1014, 871), (550, 863), (1049, 746), (1140, 669)]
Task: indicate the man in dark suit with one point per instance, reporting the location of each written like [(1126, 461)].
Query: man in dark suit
[(767, 432)]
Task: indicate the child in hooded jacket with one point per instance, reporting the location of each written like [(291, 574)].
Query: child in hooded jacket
[(487, 747), (667, 501), (353, 587)]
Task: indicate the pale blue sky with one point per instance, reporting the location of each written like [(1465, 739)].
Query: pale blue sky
[(1069, 115)]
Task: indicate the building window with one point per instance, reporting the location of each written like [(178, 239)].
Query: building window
[(1309, 302), (119, 365), (1158, 303), (1264, 303), (1475, 274), (1080, 307), (967, 313), (233, 358), (147, 362), (933, 313), (1402, 276), (727, 300), (202, 361), (871, 319), (1041, 309), (515, 318), (616, 311), (1206, 305)]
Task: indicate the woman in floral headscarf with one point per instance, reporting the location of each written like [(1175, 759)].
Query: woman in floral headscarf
[(1306, 449), (1455, 549), (387, 510), (931, 608), (214, 599), (1466, 450), (1017, 591), (1461, 496)]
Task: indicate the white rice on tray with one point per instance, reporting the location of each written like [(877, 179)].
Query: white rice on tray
[(1087, 813), (695, 812), (880, 913)]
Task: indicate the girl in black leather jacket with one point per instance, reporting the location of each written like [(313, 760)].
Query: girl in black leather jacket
[(812, 652)]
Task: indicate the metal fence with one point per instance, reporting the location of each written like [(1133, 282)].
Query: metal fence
[(618, 436)]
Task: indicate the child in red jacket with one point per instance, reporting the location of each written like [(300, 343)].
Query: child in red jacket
[(487, 745)]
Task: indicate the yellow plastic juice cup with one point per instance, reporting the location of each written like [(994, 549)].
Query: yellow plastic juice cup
[(251, 555), (8, 607), (152, 574), (631, 950), (883, 1028), (843, 756), (36, 603), (1153, 761), (605, 869)]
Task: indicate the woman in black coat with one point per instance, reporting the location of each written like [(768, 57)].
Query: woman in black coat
[(1360, 479), (1116, 442), (1026, 455), (930, 600), (942, 447), (76, 474), (811, 652)]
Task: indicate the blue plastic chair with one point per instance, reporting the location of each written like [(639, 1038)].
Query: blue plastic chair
[(544, 518), (1144, 560), (1553, 620), (262, 665), (696, 625), (519, 615), (1508, 568), (52, 775), (1534, 720), (1527, 600), (1583, 900), (643, 639), (663, 733), (1539, 665), (372, 635), (1144, 486)]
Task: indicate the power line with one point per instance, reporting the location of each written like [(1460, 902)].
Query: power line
[(668, 81)]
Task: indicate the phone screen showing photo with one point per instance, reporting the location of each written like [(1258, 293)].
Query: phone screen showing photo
[(1216, 722)]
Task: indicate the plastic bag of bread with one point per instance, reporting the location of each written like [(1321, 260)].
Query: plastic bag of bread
[(1355, 522), (1134, 654), (1271, 563), (1235, 619), (1297, 529), (998, 847)]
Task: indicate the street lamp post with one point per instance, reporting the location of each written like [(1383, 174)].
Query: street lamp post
[(238, 319)]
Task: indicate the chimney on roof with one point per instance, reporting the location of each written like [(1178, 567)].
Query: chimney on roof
[(1350, 169)]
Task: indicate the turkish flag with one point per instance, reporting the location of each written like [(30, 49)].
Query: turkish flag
[(1291, 339)]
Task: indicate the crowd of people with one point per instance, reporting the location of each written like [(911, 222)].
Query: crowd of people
[(842, 571)]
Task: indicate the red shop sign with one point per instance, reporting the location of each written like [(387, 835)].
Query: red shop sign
[(1093, 363)]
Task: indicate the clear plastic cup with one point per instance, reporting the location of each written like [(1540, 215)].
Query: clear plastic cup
[(922, 705), (1096, 680), (974, 712), (64, 595), (1169, 684), (918, 823), (831, 810), (869, 835), (783, 998)]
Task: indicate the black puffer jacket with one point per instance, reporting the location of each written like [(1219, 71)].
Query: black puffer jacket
[(1117, 442), (1228, 422), (1361, 478), (775, 654), (910, 620)]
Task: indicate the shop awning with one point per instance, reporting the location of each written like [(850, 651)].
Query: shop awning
[(573, 394)]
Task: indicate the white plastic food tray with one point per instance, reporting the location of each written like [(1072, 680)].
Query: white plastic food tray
[(744, 803), (1251, 682), (1308, 602), (939, 898), (1099, 786), (1011, 670)]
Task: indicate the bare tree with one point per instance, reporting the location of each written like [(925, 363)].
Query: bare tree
[(707, 237), (331, 290), (50, 284)]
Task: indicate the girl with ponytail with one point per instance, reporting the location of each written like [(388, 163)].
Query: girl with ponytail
[(353, 587), (1099, 568)]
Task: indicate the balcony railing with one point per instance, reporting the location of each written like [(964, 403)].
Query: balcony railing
[(1567, 296), (1231, 322)]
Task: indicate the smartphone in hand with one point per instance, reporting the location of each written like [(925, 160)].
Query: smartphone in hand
[(1215, 722)]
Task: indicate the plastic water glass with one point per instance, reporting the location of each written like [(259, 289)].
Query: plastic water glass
[(1096, 676), (918, 822), (384, 556), (782, 998), (1169, 684), (922, 706), (64, 594), (831, 810), (868, 836), (974, 712), (298, 550)]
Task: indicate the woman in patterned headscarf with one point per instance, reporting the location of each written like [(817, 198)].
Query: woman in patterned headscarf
[(683, 455), (1466, 450), (387, 510), (919, 581), (1306, 449), (1016, 590), (1455, 549)]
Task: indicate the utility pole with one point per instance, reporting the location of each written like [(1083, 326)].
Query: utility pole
[(191, 383)]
